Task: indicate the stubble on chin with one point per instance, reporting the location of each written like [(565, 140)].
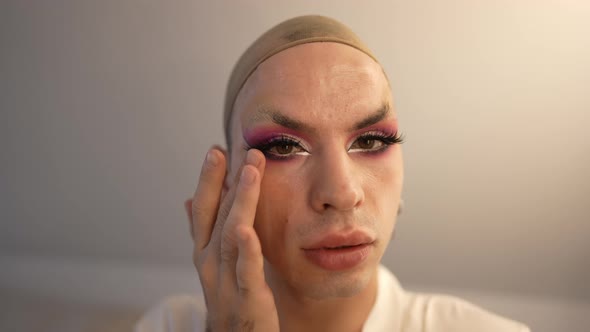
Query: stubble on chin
[(321, 285)]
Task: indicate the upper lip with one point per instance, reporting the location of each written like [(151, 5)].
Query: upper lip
[(335, 240)]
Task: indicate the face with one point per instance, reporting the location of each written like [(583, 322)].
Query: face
[(322, 114)]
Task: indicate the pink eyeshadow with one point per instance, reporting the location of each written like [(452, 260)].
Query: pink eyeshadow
[(256, 136)]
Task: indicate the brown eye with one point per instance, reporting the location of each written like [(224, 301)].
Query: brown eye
[(284, 149), (366, 143)]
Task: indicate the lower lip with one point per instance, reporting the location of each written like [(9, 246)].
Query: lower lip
[(339, 259)]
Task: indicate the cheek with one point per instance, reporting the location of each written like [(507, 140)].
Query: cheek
[(276, 206), (385, 172), (383, 185), (392, 172)]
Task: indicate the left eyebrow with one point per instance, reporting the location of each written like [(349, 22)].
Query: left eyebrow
[(381, 114)]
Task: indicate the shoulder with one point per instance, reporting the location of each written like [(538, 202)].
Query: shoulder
[(426, 312), (439, 312), (175, 313)]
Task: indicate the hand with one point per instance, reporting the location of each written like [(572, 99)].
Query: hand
[(227, 252)]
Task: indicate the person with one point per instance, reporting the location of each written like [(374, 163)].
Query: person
[(290, 223)]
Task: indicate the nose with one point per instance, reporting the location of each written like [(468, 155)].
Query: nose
[(336, 183)]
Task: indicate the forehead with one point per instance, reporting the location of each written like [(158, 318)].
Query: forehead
[(323, 84)]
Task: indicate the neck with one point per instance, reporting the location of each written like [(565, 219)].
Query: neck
[(301, 313)]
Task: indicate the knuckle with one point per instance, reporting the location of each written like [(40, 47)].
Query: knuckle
[(198, 260), (244, 292), (208, 261), (207, 279), (206, 270), (203, 260), (241, 324), (223, 211), (198, 210), (228, 256), (229, 240)]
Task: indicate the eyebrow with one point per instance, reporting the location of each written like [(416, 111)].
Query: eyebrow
[(381, 114), (274, 115)]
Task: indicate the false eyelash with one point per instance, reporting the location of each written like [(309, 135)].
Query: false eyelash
[(387, 139), (265, 146)]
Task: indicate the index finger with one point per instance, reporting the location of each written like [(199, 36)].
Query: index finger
[(207, 196)]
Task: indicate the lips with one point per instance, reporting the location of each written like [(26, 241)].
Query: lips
[(339, 251), (341, 240)]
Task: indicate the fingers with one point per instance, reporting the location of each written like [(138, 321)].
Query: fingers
[(242, 214), (205, 202), (246, 198), (250, 264), (256, 160), (228, 251)]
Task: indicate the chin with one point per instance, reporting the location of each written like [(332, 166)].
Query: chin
[(341, 285), (325, 285)]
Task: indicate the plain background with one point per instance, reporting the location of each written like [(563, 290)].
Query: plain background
[(108, 108)]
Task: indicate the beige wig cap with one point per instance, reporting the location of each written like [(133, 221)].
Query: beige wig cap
[(293, 32)]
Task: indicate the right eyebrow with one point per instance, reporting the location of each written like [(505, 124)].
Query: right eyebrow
[(266, 113)]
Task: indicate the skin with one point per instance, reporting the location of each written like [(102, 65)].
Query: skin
[(250, 238)]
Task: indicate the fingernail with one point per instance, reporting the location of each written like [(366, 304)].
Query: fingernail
[(248, 176), (252, 158), (211, 158)]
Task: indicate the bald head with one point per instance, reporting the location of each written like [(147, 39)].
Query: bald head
[(288, 34)]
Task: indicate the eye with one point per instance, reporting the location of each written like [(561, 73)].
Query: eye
[(374, 142), (282, 147), (368, 143)]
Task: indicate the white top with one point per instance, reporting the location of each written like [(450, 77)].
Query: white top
[(395, 310)]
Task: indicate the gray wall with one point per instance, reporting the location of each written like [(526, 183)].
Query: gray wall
[(107, 109)]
